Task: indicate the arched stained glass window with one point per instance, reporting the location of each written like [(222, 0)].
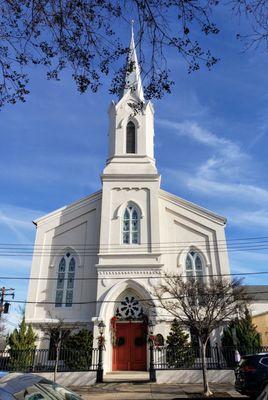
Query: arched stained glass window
[(65, 281), (131, 225), (194, 266), (131, 138)]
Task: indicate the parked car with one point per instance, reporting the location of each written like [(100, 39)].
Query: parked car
[(17, 386), (252, 375)]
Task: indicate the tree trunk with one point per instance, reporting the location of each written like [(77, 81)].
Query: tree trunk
[(207, 391), (58, 346), (56, 363)]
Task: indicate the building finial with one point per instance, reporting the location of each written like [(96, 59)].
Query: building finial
[(133, 78), (132, 29)]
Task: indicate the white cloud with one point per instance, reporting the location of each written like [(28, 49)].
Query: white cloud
[(242, 192), (224, 175), (250, 218), (17, 220), (204, 136), (227, 159)]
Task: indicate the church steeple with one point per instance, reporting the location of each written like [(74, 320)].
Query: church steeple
[(133, 78), (131, 132)]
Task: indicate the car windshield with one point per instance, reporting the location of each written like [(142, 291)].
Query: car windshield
[(59, 392)]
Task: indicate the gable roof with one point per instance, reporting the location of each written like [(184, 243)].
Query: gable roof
[(69, 208), (192, 207)]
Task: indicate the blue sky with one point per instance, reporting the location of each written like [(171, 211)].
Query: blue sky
[(210, 143)]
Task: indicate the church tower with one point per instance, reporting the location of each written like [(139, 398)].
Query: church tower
[(129, 228), (130, 175)]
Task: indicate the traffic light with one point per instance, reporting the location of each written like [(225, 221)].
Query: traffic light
[(6, 307)]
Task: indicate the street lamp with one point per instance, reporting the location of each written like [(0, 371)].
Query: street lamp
[(151, 349), (101, 327), (151, 328)]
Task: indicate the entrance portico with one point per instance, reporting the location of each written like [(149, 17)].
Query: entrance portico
[(125, 311)]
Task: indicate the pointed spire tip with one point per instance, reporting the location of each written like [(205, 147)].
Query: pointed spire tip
[(133, 78)]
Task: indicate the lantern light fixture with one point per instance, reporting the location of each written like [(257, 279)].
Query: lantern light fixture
[(101, 327), (151, 327)]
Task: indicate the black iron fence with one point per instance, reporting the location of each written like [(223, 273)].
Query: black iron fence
[(167, 357), (43, 361)]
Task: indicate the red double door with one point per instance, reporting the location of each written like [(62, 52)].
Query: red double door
[(129, 353)]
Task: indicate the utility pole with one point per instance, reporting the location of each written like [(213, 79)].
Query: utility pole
[(4, 305)]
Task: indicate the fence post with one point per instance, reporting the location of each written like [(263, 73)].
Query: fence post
[(99, 378), (152, 369)]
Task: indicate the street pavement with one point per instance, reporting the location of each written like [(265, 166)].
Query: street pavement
[(148, 391)]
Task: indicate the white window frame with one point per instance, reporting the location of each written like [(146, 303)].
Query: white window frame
[(195, 272), (68, 277), (130, 231)]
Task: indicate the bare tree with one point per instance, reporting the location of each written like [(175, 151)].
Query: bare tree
[(86, 37), (202, 307), (3, 333), (256, 12), (58, 332)]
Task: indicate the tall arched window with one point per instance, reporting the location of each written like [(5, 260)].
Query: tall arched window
[(65, 281), (131, 138), (131, 225), (194, 266)]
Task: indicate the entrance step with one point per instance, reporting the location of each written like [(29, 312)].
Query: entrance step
[(126, 376)]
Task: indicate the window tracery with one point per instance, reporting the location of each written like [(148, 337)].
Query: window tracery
[(129, 308), (65, 281), (194, 266), (131, 225)]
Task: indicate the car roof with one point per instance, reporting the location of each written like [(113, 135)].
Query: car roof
[(255, 355), (16, 382)]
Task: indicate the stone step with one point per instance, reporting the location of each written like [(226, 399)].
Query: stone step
[(126, 376)]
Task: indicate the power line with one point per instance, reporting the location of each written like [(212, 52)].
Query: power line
[(48, 250), (112, 244), (114, 301), (214, 246), (123, 278), (135, 250)]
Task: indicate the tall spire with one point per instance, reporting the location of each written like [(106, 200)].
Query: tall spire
[(133, 78)]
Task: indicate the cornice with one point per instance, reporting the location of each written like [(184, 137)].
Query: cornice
[(129, 254), (125, 268), (61, 212), (187, 205), (130, 177)]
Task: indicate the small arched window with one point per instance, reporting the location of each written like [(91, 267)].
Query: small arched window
[(65, 281), (160, 340), (131, 138), (194, 266), (131, 225)]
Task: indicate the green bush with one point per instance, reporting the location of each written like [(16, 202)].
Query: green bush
[(77, 350), (179, 351), (22, 347)]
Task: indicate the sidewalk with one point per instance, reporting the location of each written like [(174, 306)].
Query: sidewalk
[(148, 391)]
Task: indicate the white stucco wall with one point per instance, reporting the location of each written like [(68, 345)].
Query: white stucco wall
[(72, 379), (76, 229), (194, 376)]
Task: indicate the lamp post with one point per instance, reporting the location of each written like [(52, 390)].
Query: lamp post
[(151, 348), (101, 327)]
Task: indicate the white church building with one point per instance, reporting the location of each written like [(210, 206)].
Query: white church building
[(99, 258)]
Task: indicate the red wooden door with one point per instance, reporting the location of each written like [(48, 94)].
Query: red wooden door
[(129, 354)]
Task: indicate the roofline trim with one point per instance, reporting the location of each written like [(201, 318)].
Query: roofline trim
[(193, 207), (70, 207)]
